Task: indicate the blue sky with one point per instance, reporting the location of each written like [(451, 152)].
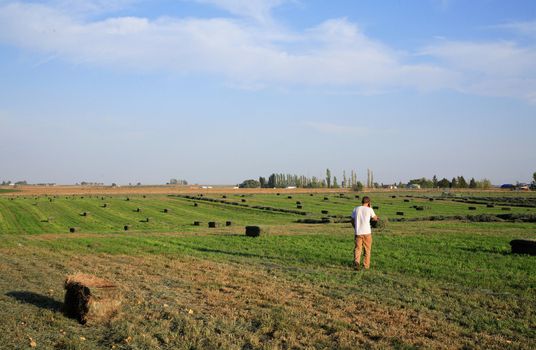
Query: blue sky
[(217, 91)]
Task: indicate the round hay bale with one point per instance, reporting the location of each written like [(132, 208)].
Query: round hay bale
[(89, 298), (195, 204), (298, 202), (299, 207), (253, 231), (126, 227), (165, 210), (401, 213), (523, 246), (197, 223), (228, 223), (325, 212), (212, 224), (72, 229), (472, 208), (490, 206), (326, 198), (289, 197)]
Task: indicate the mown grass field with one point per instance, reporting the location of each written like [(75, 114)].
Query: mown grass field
[(433, 284)]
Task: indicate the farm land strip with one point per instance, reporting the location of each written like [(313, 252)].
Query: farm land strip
[(434, 284)]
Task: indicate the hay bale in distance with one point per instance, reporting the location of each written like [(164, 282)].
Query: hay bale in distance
[(406, 200), (326, 198), (325, 212), (419, 208), (126, 227), (72, 229), (490, 206), (299, 207), (401, 213), (89, 298), (212, 224), (375, 207), (472, 208), (289, 197), (228, 223), (195, 204), (243, 200), (197, 223), (523, 246), (165, 210), (253, 231)]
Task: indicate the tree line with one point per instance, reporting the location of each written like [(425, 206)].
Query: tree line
[(280, 180)]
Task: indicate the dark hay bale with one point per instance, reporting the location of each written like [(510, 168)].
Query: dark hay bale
[(243, 200), (506, 208), (310, 194), (278, 194), (195, 204), (85, 213), (298, 202), (393, 196), (145, 220), (104, 205), (431, 199), (326, 198), (299, 207), (165, 210), (419, 208), (400, 213), (126, 227), (472, 208), (379, 225), (144, 196), (212, 224), (523, 246), (228, 223), (197, 223), (406, 200), (90, 299), (224, 196), (375, 207), (490, 206), (325, 212), (357, 196), (137, 210), (289, 197), (253, 231), (127, 199), (72, 229)]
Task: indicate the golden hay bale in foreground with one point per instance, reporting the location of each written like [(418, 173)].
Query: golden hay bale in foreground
[(89, 298)]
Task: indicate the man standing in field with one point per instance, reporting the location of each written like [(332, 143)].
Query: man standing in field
[(361, 217)]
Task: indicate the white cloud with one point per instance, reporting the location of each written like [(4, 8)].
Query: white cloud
[(260, 10), (493, 68), (335, 54)]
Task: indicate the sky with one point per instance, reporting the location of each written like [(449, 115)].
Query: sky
[(219, 91)]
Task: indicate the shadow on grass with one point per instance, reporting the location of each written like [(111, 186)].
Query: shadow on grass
[(487, 250), (38, 300)]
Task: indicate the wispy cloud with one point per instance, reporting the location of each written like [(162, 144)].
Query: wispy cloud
[(523, 28), (335, 54)]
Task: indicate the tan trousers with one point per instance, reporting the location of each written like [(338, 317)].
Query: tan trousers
[(360, 241)]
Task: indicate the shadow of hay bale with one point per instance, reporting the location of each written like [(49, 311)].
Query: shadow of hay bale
[(41, 301), (89, 298)]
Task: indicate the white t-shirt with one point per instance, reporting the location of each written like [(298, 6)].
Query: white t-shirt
[(361, 216)]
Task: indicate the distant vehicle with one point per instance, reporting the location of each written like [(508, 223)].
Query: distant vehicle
[(507, 186)]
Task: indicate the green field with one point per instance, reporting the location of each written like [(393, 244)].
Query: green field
[(449, 283)]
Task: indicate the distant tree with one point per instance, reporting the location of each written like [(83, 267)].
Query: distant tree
[(461, 182), (443, 183), (534, 178), (344, 181), (328, 177), (335, 184), (472, 183), (454, 183), (173, 181), (483, 184), (358, 186), (250, 184), (114, 184), (434, 181), (262, 182), (23, 182)]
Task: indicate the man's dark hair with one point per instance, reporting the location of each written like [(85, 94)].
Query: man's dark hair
[(365, 200)]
